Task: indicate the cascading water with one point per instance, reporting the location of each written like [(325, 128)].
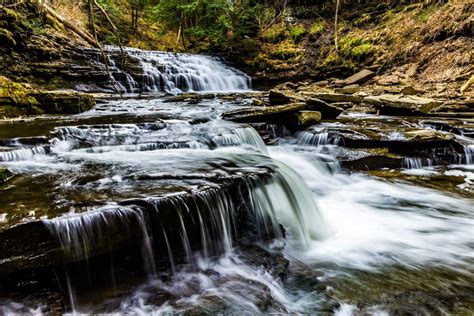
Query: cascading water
[(208, 213), (175, 73)]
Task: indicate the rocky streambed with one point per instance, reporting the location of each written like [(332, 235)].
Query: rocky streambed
[(297, 200)]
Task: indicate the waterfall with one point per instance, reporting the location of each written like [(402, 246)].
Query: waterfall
[(23, 154), (417, 163), (316, 137), (82, 235), (177, 73), (469, 153)]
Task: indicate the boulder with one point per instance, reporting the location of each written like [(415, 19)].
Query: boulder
[(280, 113), (360, 77), (396, 104), (308, 118), (279, 98), (328, 112), (63, 102)]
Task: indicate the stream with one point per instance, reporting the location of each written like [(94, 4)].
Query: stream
[(163, 207)]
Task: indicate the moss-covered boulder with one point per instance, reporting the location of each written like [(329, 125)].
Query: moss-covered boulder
[(13, 93), (18, 100), (64, 102)]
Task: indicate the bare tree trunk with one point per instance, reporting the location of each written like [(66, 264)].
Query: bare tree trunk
[(91, 19), (335, 25), (84, 35)]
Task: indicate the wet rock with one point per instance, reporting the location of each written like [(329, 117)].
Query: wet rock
[(64, 102), (393, 104), (278, 113), (272, 261), (5, 175), (328, 112), (374, 162), (190, 97), (360, 77), (35, 243)]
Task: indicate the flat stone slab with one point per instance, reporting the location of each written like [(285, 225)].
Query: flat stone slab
[(360, 77), (328, 111), (397, 104), (264, 114)]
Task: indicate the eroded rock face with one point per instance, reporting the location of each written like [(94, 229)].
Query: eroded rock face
[(107, 229)]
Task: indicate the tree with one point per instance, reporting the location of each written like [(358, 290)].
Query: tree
[(137, 6)]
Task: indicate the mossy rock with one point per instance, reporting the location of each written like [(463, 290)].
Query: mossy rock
[(64, 102), (15, 93), (5, 175), (12, 111)]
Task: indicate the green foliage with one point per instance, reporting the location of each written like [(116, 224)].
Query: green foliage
[(425, 13), (317, 28), (215, 22), (297, 32), (356, 47), (275, 33), (36, 25)]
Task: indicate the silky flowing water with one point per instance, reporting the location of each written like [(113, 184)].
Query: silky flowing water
[(356, 243)]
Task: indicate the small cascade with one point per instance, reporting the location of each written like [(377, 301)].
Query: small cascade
[(176, 73), (469, 154), (82, 235), (241, 136), (417, 162), (23, 154), (317, 137)]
